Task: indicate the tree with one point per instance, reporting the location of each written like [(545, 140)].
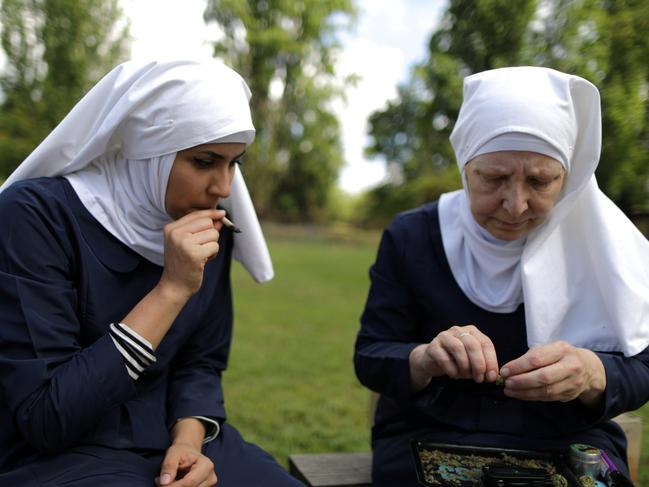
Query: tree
[(472, 37), (602, 40), (56, 50), (605, 41), (285, 49), (624, 166)]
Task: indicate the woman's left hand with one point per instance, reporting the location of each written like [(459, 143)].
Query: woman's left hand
[(557, 371), (184, 466)]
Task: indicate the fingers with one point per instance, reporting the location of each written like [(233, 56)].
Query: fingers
[(200, 474), (547, 384), (180, 470), (536, 358), (190, 242), (178, 231), (195, 233), (203, 224), (203, 245), (481, 363), (215, 215), (463, 352), (169, 468), (554, 372)]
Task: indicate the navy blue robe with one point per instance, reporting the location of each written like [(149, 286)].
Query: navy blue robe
[(70, 410), (412, 298)]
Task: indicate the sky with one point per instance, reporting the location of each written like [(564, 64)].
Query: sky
[(388, 38)]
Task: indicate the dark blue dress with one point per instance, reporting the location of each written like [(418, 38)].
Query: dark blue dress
[(413, 297), (71, 413)]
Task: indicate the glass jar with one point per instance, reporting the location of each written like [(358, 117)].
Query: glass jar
[(584, 460)]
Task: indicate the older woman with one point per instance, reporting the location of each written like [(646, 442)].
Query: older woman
[(529, 272), (115, 301)]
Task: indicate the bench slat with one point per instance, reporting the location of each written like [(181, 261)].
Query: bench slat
[(332, 469)]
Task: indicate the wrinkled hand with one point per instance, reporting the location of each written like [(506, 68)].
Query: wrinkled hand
[(461, 352), (557, 371), (184, 466), (189, 243)]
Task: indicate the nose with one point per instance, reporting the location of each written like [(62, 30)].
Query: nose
[(515, 200), (220, 182)]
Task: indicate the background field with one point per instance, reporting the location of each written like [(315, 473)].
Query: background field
[(290, 386)]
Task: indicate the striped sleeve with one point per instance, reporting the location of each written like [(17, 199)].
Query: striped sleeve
[(136, 350), (212, 427)]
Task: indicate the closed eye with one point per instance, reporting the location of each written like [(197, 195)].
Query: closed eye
[(540, 183), (203, 163), (495, 179)]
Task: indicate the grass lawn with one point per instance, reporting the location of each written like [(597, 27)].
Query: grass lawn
[(644, 454), (290, 386)]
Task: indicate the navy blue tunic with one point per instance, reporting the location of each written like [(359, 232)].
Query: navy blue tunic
[(66, 398), (412, 298)]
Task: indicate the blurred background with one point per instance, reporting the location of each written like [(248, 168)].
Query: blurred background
[(353, 100), (353, 103)]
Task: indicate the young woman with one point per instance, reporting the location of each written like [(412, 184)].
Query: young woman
[(115, 301)]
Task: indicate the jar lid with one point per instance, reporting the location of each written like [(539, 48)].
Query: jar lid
[(584, 452)]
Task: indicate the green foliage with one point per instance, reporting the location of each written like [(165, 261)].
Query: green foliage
[(624, 169), (380, 205), (314, 153), (290, 384), (604, 41), (285, 50), (342, 206), (484, 34), (56, 50), (471, 38)]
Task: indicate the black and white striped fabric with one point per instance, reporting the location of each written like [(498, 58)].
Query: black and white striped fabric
[(138, 355), (137, 351), (212, 428)]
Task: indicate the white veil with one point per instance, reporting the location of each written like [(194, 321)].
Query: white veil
[(584, 274), (143, 110)]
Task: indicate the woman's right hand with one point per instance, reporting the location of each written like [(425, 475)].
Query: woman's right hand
[(461, 352), (189, 243)]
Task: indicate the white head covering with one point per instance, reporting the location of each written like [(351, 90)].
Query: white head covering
[(583, 274), (117, 146)]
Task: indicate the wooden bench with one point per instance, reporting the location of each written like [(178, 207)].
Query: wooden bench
[(355, 469), (332, 469), (631, 423)]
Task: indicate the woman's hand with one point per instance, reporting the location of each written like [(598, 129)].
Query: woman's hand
[(190, 242), (461, 352), (557, 371), (185, 466)]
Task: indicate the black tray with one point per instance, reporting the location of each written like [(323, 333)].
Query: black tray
[(467, 473)]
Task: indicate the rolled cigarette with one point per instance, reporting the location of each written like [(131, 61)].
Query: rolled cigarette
[(231, 225)]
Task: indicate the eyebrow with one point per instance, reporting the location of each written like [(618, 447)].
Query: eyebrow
[(491, 170), (533, 172), (216, 155)]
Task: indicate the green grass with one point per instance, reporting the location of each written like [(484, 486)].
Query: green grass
[(290, 386), (644, 453)]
